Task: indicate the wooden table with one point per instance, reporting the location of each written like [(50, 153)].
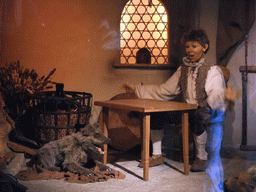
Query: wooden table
[(145, 107)]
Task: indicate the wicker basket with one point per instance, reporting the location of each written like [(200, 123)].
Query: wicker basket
[(56, 117)]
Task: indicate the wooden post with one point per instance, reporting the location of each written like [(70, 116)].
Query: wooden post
[(185, 142), (105, 131), (245, 70), (145, 145)]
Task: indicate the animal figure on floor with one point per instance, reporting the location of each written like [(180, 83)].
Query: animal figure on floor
[(75, 153), (244, 182)]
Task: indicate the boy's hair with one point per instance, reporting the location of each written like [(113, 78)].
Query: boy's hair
[(196, 35)]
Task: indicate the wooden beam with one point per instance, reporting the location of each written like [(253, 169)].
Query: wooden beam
[(248, 69), (21, 148)]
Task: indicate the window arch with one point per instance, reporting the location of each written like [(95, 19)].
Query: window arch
[(144, 26)]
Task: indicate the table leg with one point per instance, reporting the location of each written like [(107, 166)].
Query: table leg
[(105, 116), (185, 141), (145, 143)]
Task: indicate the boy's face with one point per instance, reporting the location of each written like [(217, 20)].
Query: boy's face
[(195, 51)]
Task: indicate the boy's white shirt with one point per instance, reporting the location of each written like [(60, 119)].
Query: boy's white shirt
[(214, 87)]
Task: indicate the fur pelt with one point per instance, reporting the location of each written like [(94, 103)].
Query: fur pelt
[(244, 182), (74, 153), (6, 125)]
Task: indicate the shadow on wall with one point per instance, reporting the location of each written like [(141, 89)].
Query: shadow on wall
[(251, 119), (233, 116), (228, 131)]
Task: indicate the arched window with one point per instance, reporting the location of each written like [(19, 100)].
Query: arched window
[(144, 33)]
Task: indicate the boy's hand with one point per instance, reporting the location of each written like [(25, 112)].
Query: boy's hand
[(231, 94), (129, 88)]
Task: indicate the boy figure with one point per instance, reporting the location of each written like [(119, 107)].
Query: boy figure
[(200, 83)]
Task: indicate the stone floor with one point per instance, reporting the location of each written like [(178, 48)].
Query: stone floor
[(166, 177)]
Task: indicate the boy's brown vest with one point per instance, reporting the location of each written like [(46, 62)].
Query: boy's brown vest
[(201, 95)]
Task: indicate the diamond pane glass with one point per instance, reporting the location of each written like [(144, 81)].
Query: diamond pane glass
[(144, 24)]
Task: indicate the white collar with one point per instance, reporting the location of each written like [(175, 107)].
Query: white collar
[(188, 63)]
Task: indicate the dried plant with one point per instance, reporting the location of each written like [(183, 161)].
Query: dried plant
[(18, 84)]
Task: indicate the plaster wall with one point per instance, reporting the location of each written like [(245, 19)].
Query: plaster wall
[(233, 129), (233, 122), (81, 40)]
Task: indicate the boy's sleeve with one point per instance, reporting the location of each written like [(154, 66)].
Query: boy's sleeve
[(215, 88), (165, 91)]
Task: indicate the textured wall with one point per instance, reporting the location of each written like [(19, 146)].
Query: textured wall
[(81, 39)]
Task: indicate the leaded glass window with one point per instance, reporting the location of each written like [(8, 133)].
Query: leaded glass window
[(144, 26)]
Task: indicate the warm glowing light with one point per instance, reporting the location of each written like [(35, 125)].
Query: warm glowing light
[(136, 35), (160, 26), (141, 26), (131, 9), (151, 26), (127, 52), (141, 43), (122, 27), (122, 43), (145, 2), (131, 43), (135, 51), (131, 26), (122, 60), (141, 9), (155, 2), (136, 18), (151, 43), (132, 60), (153, 60), (160, 60), (146, 35), (136, 2), (126, 35), (165, 51), (126, 18), (156, 18), (164, 34), (144, 26), (164, 18), (160, 43), (146, 18), (156, 35), (151, 10), (160, 9), (156, 52)]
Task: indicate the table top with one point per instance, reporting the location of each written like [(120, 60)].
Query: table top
[(146, 105)]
